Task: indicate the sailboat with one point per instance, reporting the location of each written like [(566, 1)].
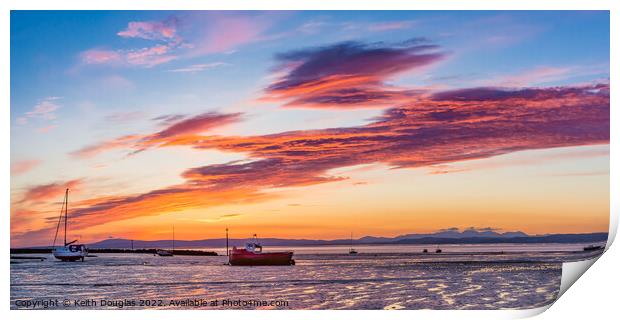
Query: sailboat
[(351, 250), (438, 250), (166, 253), (70, 251)]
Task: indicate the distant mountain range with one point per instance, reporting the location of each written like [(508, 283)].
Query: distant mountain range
[(447, 234), (450, 236)]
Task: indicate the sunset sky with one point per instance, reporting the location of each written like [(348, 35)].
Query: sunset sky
[(308, 124)]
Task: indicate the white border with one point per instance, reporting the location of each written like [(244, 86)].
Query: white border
[(7, 5)]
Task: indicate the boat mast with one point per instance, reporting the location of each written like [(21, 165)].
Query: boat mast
[(66, 205), (62, 210), (227, 242), (351, 242), (172, 238)]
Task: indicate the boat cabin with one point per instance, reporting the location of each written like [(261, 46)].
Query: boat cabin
[(73, 248), (253, 247), (77, 248)]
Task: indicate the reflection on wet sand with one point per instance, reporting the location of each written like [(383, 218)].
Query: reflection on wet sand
[(319, 281)]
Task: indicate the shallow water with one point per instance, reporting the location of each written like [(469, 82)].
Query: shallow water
[(317, 281)]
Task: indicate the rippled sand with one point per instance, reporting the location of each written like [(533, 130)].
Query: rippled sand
[(325, 281)]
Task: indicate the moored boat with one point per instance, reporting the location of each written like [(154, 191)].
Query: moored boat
[(253, 255), (166, 253), (351, 250), (72, 252), (69, 251)]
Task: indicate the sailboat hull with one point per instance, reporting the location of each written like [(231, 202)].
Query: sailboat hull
[(164, 253), (70, 253), (68, 258)]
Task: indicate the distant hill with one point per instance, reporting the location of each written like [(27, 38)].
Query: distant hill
[(553, 238), (447, 234), (442, 237)]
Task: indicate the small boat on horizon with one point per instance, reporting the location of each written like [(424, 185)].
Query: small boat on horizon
[(70, 251), (351, 250), (253, 255), (166, 253)]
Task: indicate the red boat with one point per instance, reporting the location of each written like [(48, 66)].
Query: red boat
[(253, 255)]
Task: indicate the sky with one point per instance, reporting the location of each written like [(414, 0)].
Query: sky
[(310, 124)]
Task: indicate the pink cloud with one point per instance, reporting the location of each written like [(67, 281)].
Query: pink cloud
[(349, 74), (50, 191), (151, 30), (199, 67), (44, 110), (530, 77), (47, 128), (222, 32), (177, 127), (146, 57), (95, 149), (150, 56), (21, 167), (197, 124), (161, 31), (98, 56), (394, 25)]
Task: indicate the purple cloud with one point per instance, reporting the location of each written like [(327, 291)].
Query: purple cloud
[(349, 74)]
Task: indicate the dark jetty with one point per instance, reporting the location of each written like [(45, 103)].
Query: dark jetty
[(107, 250), (27, 258)]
